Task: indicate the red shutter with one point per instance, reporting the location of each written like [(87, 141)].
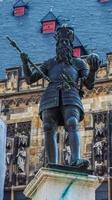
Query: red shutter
[(49, 27), (77, 52), (19, 11)]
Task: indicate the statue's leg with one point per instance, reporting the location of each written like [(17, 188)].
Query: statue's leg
[(50, 128), (71, 119)]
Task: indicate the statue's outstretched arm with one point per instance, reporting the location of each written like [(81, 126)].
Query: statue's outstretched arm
[(94, 63), (32, 76)]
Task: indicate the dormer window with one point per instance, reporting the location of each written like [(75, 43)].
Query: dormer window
[(19, 11), (49, 23), (49, 27), (19, 8), (78, 48)]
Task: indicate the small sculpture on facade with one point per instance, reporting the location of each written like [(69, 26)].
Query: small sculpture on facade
[(66, 150), (99, 129), (23, 140), (12, 80), (21, 159), (98, 148), (8, 143), (8, 158), (61, 101), (67, 155)]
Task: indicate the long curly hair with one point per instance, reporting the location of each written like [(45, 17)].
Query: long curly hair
[(64, 45)]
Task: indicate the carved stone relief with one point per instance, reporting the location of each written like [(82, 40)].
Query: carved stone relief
[(28, 99), (100, 144), (102, 73), (98, 91), (12, 80), (66, 150), (18, 141)]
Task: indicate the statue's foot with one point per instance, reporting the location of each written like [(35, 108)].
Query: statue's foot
[(81, 163)]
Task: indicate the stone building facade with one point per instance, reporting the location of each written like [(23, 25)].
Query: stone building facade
[(25, 138)]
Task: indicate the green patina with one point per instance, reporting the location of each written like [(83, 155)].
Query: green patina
[(66, 191), (68, 172)]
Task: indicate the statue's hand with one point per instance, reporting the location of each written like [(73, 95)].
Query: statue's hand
[(94, 61), (24, 57)]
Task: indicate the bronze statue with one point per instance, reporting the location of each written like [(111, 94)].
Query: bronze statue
[(61, 102)]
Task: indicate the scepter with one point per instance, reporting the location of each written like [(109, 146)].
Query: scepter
[(13, 43)]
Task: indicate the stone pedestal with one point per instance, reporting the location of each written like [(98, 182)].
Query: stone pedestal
[(56, 184)]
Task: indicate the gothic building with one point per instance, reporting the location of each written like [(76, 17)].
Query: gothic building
[(32, 24)]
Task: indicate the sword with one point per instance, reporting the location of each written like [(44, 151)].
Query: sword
[(14, 44)]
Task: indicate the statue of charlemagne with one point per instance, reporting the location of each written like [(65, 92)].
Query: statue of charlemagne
[(61, 102)]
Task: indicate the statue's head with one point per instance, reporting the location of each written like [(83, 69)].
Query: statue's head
[(64, 44)]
